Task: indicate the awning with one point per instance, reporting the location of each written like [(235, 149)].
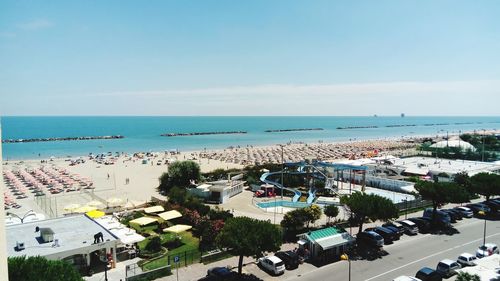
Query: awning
[(154, 209), (170, 215), (95, 214), (144, 221), (178, 228), (335, 241)]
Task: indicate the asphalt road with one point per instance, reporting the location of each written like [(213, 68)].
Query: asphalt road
[(404, 257)]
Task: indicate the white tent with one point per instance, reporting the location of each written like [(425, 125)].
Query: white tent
[(454, 143)]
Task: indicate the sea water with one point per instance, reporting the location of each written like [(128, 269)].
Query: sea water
[(143, 133)]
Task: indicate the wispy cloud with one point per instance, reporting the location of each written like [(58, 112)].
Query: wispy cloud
[(37, 24)]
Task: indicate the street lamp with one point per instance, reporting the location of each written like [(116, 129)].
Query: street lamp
[(482, 213), (345, 257)]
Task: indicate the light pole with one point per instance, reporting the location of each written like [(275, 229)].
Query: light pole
[(482, 213), (482, 154), (406, 207), (345, 257), (282, 167)]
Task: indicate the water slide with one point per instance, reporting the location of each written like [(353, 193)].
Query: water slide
[(264, 178)]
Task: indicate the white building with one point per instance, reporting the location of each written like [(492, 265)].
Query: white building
[(219, 191), (78, 240)]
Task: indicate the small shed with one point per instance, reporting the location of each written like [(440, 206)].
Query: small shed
[(326, 243)]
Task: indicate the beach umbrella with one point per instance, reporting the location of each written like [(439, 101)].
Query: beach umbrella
[(178, 228), (115, 202), (71, 207), (95, 214), (95, 203), (85, 209)]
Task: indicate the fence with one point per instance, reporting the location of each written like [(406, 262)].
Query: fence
[(185, 258), (134, 272), (413, 204), (45, 204)]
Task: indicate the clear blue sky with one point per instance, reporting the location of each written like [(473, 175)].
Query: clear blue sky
[(250, 57)]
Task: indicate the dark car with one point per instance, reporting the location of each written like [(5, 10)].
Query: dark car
[(370, 238), (423, 225), (451, 214), (428, 274), (479, 208), (397, 232), (388, 235), (494, 206), (456, 213), (290, 258), (401, 229), (221, 273)]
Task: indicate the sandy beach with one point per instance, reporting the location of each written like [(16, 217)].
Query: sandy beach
[(132, 179)]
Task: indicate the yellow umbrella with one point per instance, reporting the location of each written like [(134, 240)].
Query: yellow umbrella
[(85, 209), (71, 207), (95, 214)]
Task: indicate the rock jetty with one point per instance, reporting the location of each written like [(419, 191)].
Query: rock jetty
[(293, 130), (202, 133), (63, 139), (356, 127)]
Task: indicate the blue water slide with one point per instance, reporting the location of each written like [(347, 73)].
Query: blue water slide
[(312, 195), (264, 179)]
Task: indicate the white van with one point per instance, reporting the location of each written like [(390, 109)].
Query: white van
[(273, 264), (466, 259), (447, 267), (410, 227)]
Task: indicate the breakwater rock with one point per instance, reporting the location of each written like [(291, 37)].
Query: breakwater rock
[(63, 139), (356, 127), (293, 130), (202, 133)]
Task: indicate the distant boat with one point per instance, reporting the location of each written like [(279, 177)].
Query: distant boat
[(402, 115), (375, 115)]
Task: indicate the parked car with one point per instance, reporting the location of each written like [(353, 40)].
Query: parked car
[(451, 214), (406, 278), (494, 206), (410, 227), (290, 258), (272, 264), (370, 238), (465, 211), (466, 259), (423, 225), (397, 232), (441, 218), (395, 224), (447, 267), (487, 250), (454, 213), (479, 208), (388, 235), (220, 273), (428, 274)]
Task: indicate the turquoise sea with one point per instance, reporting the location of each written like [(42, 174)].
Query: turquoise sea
[(143, 133)]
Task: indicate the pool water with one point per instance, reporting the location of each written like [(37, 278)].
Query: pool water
[(281, 203)]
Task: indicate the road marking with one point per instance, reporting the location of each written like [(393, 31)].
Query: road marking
[(435, 254)]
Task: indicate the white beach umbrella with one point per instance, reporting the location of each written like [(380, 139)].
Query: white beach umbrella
[(114, 202)]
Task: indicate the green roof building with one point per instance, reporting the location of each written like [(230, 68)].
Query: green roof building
[(327, 243)]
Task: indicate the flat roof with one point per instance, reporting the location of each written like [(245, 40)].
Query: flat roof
[(445, 165), (173, 214), (72, 232), (154, 209)]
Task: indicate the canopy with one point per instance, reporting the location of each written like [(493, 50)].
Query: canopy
[(144, 221), (417, 171), (95, 214), (154, 209), (335, 241), (170, 215), (178, 228)]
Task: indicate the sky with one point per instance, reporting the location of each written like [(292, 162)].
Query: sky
[(226, 57)]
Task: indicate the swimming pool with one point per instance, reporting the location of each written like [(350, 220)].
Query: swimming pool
[(281, 203)]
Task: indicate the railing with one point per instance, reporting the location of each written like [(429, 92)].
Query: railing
[(134, 272)]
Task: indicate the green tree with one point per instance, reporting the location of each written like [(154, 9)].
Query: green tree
[(293, 220), (41, 269), (154, 244), (441, 192), (180, 174), (331, 211), (485, 184), (465, 276), (462, 179), (312, 214), (364, 206), (249, 237)]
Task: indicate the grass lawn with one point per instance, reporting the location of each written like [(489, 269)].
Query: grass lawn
[(189, 244)]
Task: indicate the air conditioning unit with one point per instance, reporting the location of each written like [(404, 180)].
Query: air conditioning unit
[(19, 246)]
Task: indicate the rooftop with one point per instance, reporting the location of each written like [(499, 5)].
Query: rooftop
[(325, 232), (72, 232), (445, 165)]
